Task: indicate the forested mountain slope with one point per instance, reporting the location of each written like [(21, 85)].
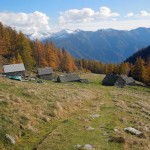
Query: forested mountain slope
[(143, 53)]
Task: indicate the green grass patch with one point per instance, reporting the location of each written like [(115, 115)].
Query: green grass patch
[(28, 111)]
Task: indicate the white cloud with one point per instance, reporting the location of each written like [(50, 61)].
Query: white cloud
[(102, 19), (75, 15), (141, 14), (131, 14), (85, 19), (28, 23), (86, 15), (105, 12), (144, 14), (118, 24)]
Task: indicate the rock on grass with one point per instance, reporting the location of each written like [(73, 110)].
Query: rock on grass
[(85, 147), (116, 139), (10, 139), (133, 131), (88, 147)]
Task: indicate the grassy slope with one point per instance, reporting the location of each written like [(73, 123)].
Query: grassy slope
[(55, 116)]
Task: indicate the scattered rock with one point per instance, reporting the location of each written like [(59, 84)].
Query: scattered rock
[(10, 139), (79, 146), (89, 128), (32, 79), (95, 115), (85, 147), (88, 147), (133, 131), (116, 130), (116, 139)]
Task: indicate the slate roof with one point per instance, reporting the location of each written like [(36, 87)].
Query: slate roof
[(117, 80), (68, 78), (13, 68), (45, 71), (127, 79), (110, 79)]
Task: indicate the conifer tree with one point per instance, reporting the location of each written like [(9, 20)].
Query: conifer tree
[(147, 74), (110, 68), (60, 60), (38, 52), (25, 51), (13, 60), (138, 71), (51, 56), (124, 68), (68, 62), (19, 59), (17, 48)]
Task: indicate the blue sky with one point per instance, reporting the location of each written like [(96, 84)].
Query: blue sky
[(50, 15), (52, 7)]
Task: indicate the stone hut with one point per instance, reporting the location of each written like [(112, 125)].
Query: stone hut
[(45, 73), (118, 80), (14, 70)]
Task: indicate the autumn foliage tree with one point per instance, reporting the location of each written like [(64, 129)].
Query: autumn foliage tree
[(67, 61), (17, 48), (138, 71), (147, 72)]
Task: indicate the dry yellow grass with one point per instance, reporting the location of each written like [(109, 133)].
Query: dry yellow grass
[(37, 110)]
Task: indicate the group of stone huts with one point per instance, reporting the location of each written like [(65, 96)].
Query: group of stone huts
[(18, 72)]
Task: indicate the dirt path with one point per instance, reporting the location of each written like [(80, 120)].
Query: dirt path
[(116, 112), (73, 130)]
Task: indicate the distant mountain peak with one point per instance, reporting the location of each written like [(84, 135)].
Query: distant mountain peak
[(38, 35), (68, 31), (65, 32), (106, 45)]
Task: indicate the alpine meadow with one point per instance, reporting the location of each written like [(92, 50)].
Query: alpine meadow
[(74, 75)]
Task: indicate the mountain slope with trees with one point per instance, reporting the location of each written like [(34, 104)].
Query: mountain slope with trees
[(17, 48), (143, 53)]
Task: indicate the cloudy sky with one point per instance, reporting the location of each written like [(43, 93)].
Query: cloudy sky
[(52, 15)]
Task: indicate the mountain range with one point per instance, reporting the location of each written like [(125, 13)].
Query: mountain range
[(106, 45)]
